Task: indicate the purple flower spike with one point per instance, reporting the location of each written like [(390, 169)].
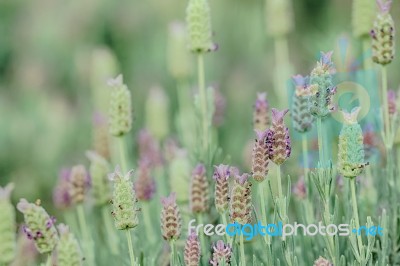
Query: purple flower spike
[(200, 169), (169, 201), (384, 5), (221, 172), (326, 58)]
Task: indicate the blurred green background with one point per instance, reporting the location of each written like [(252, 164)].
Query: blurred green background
[(46, 61)]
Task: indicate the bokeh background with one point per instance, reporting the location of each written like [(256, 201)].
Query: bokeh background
[(47, 61)]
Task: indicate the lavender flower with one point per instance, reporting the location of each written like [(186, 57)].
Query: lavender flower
[(78, 184), (101, 136), (171, 221), (61, 197), (383, 34), (199, 190), (39, 226), (219, 108), (221, 176), (260, 156), (301, 117), (145, 185), (299, 189), (221, 252), (261, 118), (192, 250), (278, 139), (149, 148), (351, 151), (240, 200), (321, 89), (124, 201), (68, 250), (99, 169), (392, 102), (370, 141)]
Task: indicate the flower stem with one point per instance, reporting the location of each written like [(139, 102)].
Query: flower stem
[(262, 206), (355, 211), (88, 246), (386, 126), (172, 259), (305, 157), (282, 63), (242, 256), (122, 154), (366, 45), (147, 221), (279, 180), (225, 222), (130, 246), (203, 103), (320, 142), (48, 261), (113, 241), (201, 234)]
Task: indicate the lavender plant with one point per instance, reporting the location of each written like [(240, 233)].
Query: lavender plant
[(7, 227)]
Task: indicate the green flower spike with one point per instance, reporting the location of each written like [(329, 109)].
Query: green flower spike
[(7, 226), (124, 200), (120, 112), (39, 226), (68, 250), (98, 170), (351, 148), (198, 19)]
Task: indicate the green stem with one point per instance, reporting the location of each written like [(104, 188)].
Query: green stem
[(282, 63), (201, 234), (366, 45), (203, 103), (305, 157), (320, 142), (113, 241), (122, 154), (242, 256), (262, 206), (130, 246), (355, 211), (225, 222), (279, 180), (386, 126), (172, 259), (85, 233), (48, 261)]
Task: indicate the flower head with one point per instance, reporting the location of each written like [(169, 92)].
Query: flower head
[(124, 201), (120, 112), (261, 118), (145, 185), (278, 139), (240, 201), (199, 190), (384, 5), (260, 156), (101, 135), (171, 221), (221, 252), (221, 176), (363, 14), (99, 168), (192, 250), (39, 226), (78, 184), (61, 197), (301, 116), (68, 250)]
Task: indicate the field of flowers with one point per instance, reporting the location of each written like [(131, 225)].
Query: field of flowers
[(199, 132)]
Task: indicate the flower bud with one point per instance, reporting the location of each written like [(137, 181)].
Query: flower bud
[(145, 185), (383, 34), (261, 117), (192, 250), (279, 17), (301, 117), (101, 138), (98, 170), (351, 150), (179, 172), (120, 111), (39, 226), (78, 184), (171, 221), (221, 252), (7, 226), (363, 14), (149, 148), (61, 197), (221, 176), (124, 201), (179, 62), (199, 190), (240, 201), (68, 250), (198, 20), (260, 156), (321, 89), (321, 261), (278, 139)]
